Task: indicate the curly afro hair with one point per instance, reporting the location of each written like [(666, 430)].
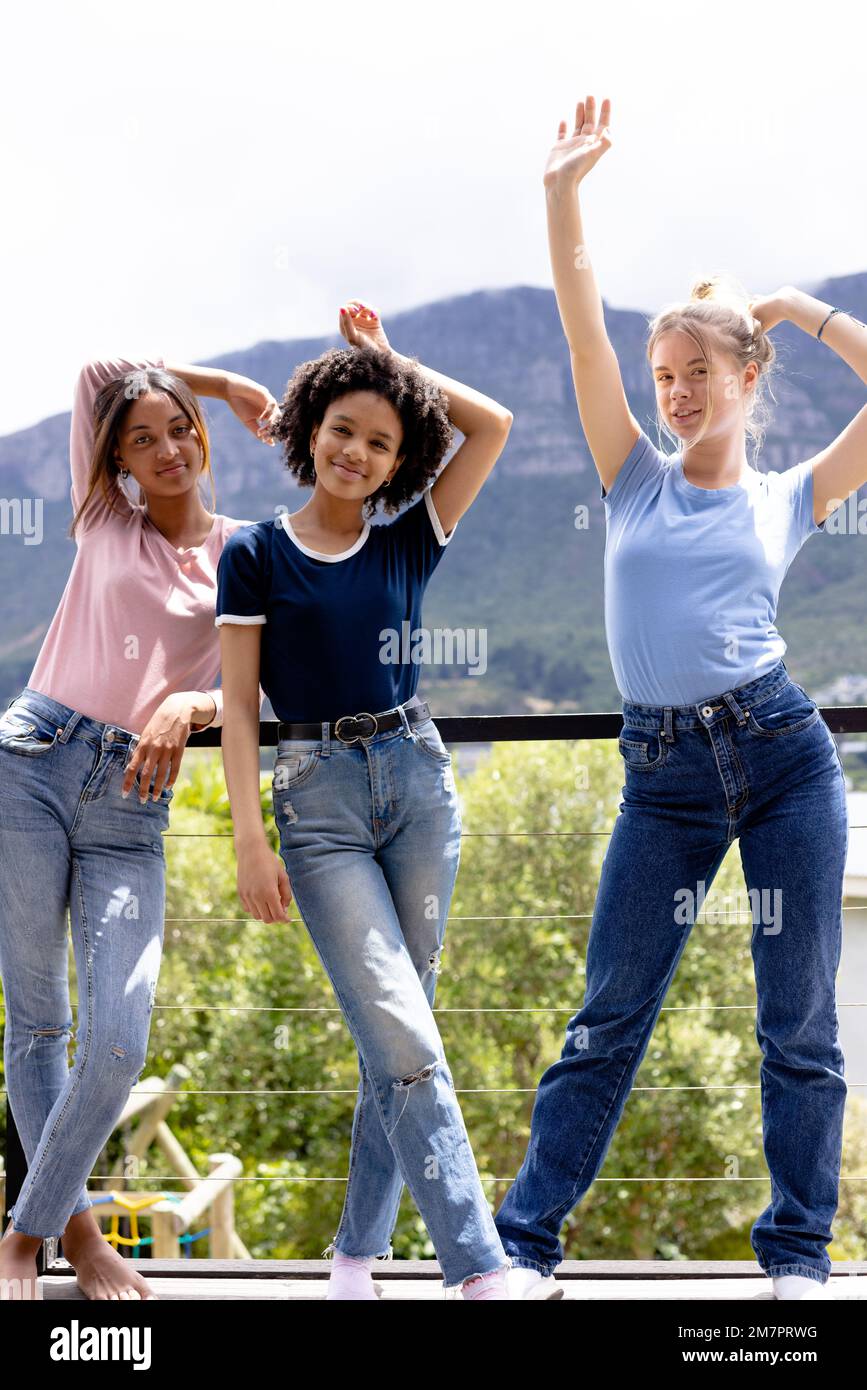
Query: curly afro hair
[(427, 431)]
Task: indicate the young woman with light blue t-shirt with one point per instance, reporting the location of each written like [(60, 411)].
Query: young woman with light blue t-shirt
[(718, 742)]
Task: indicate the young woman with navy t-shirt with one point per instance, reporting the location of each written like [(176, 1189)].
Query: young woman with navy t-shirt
[(718, 743), (364, 796)]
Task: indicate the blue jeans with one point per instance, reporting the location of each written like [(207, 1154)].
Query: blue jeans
[(757, 763), (70, 841), (370, 836)]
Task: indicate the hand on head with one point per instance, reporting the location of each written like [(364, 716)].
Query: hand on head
[(359, 323)]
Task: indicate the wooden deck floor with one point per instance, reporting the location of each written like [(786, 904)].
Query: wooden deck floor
[(400, 1280)]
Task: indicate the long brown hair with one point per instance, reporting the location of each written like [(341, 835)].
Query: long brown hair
[(717, 312), (109, 413)]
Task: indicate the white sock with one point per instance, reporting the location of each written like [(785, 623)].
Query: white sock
[(350, 1278), (485, 1286), (792, 1286)]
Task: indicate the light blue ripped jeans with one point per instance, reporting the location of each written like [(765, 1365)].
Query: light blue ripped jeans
[(69, 841), (370, 836)]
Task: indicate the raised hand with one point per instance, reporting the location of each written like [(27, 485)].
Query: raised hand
[(359, 323), (254, 406), (772, 309), (574, 155)]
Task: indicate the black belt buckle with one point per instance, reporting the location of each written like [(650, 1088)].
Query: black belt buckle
[(355, 719)]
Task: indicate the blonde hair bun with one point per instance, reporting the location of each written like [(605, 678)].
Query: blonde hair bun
[(724, 288)]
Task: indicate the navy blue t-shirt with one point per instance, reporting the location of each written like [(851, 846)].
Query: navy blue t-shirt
[(334, 624)]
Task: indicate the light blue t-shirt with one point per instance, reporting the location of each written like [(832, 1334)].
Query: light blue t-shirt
[(693, 575)]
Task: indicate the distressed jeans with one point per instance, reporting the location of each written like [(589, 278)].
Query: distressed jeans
[(757, 763), (370, 836), (69, 841)]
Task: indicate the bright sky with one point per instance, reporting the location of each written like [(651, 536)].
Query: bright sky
[(194, 177)]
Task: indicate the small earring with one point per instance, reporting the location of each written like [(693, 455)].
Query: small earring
[(124, 473)]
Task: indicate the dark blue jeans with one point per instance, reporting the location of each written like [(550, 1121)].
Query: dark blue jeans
[(759, 764)]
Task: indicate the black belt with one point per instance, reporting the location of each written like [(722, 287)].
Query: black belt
[(349, 728)]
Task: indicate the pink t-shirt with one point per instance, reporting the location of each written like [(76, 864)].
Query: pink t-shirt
[(136, 620)]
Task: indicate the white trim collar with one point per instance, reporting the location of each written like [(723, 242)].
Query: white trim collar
[(283, 520)]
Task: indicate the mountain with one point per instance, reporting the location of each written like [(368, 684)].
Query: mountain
[(519, 568)]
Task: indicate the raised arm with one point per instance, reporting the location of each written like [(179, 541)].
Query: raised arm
[(91, 379), (485, 426), (842, 467), (609, 425), (253, 404), (482, 421)]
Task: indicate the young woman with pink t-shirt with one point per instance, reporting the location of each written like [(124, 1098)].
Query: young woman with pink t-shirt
[(127, 669)]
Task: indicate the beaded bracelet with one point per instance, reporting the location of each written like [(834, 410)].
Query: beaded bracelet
[(830, 316)]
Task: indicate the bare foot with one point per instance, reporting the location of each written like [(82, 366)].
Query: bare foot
[(18, 1265), (100, 1272)]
